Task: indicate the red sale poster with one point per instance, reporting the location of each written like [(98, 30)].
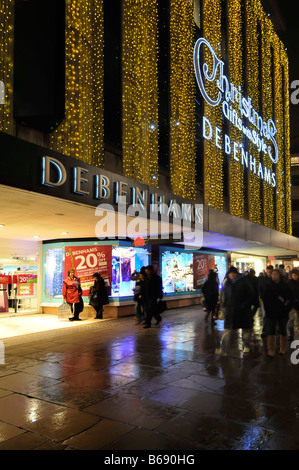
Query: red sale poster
[(202, 263), (87, 260), (5, 279), (25, 283)]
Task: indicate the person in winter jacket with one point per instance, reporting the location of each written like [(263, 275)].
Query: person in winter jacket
[(277, 304), (237, 297), (98, 295), (72, 294), (153, 294), (210, 291), (293, 283)]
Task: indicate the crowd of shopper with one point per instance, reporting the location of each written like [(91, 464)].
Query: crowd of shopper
[(275, 293), (148, 294)]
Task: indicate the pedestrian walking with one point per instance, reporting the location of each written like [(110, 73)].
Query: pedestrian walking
[(277, 304), (254, 282), (72, 294), (294, 286), (153, 294), (210, 290), (98, 296), (139, 298), (263, 284), (237, 298)]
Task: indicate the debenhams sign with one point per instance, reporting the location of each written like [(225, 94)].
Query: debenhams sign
[(239, 111), (96, 185)]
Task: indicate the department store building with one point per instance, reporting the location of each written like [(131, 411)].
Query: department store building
[(136, 133)]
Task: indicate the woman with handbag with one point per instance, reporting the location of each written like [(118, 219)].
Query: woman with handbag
[(72, 294), (98, 295)]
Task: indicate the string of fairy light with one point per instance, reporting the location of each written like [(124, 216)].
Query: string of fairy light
[(253, 90), (81, 133), (182, 99), (267, 109), (6, 64), (235, 54), (213, 159), (140, 90), (287, 153)]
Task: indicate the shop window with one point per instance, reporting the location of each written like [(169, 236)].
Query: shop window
[(185, 272), (177, 272), (18, 292), (125, 260), (115, 264)]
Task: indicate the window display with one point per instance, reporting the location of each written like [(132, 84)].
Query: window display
[(125, 260), (114, 263), (203, 262), (177, 271), (87, 260), (54, 263), (221, 267), (18, 285), (245, 262), (187, 271)]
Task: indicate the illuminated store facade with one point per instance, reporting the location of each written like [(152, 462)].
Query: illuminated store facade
[(179, 102)]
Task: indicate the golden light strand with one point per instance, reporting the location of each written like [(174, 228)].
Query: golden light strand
[(253, 59), (286, 116), (235, 52), (140, 90), (268, 43), (213, 161), (6, 64), (182, 99), (279, 121), (81, 133)]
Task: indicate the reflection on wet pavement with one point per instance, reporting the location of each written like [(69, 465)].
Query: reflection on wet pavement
[(118, 386)]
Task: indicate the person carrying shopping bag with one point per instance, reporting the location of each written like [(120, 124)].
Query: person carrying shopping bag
[(72, 294)]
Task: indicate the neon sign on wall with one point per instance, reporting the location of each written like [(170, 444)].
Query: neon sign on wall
[(261, 133)]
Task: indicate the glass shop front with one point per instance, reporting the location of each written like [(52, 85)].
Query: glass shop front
[(183, 272), (245, 262), (19, 277)]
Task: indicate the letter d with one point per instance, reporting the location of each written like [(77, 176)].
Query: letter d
[(206, 122), (47, 162)]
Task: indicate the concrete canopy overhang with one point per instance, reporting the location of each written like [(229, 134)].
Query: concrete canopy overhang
[(26, 215), (242, 236)]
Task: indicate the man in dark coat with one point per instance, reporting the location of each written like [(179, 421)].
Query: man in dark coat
[(278, 302), (238, 297), (153, 293), (264, 283)]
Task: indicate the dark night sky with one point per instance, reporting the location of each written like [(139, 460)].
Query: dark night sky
[(285, 16)]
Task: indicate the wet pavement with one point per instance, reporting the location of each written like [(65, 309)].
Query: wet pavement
[(112, 385)]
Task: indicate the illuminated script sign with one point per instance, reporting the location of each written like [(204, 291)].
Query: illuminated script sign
[(235, 107)]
